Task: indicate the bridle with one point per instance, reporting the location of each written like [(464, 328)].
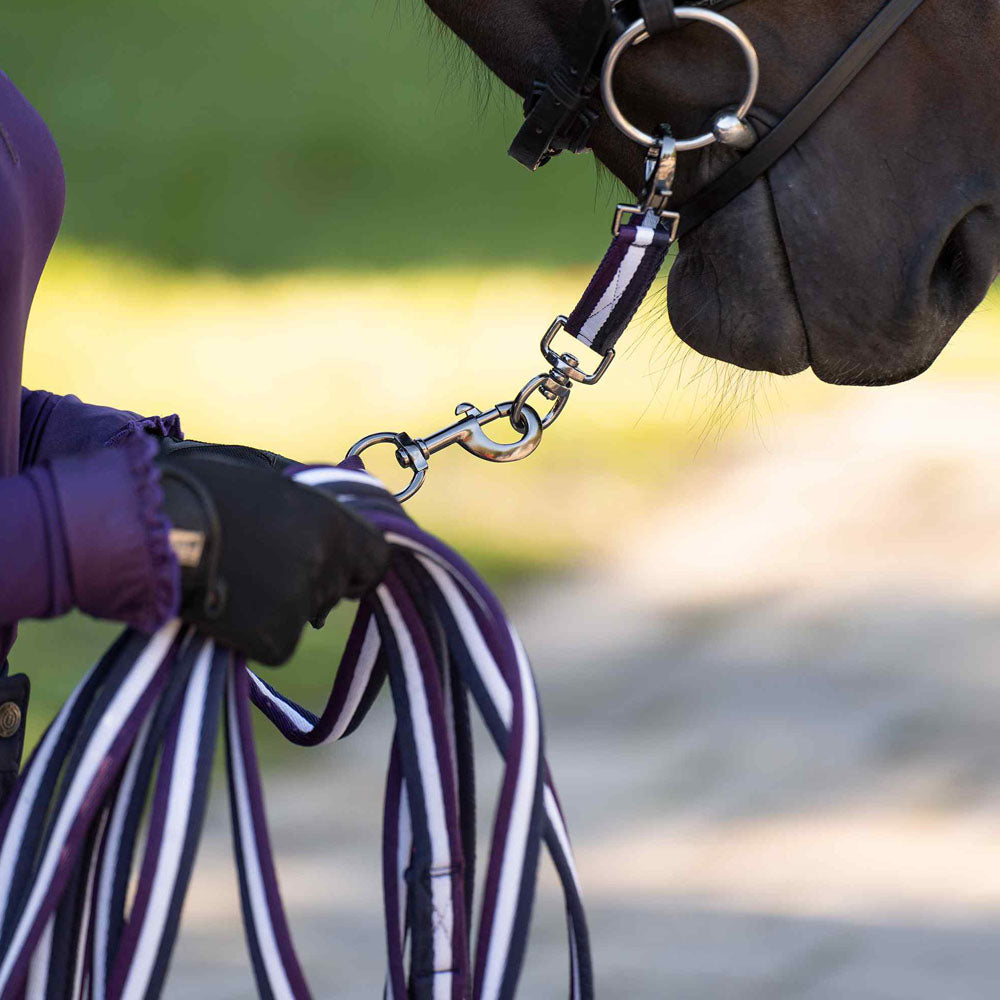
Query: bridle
[(560, 114), (561, 111)]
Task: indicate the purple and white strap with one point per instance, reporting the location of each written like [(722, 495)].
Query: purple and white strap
[(145, 719), (620, 283)]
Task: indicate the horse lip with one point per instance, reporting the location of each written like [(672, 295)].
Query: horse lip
[(734, 294), (943, 286), (966, 263), (767, 334), (735, 306)]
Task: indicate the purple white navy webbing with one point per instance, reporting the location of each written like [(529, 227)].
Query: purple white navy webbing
[(620, 283), (146, 718)]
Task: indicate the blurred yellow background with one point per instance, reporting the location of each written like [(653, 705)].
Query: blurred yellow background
[(305, 364)]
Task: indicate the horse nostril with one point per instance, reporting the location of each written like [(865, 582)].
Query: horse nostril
[(947, 278), (965, 267)]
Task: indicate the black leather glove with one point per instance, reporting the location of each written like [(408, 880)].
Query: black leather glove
[(241, 454), (260, 554)]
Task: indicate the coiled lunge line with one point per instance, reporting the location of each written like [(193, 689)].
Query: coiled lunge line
[(145, 719)]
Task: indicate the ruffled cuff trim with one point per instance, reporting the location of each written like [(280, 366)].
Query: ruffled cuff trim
[(158, 427), (165, 586)]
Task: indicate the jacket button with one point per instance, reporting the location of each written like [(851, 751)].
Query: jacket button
[(10, 719)]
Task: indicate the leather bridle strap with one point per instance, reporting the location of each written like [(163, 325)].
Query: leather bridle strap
[(560, 111), (557, 112), (796, 123), (659, 15)]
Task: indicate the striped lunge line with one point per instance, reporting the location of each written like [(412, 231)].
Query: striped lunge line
[(141, 727), (620, 283)]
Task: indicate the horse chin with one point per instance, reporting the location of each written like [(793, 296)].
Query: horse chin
[(756, 292), (902, 368), (730, 294), (731, 298)]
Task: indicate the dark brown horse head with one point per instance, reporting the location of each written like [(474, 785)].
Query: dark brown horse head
[(865, 247)]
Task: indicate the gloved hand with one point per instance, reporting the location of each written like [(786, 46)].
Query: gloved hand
[(260, 554), (241, 454)]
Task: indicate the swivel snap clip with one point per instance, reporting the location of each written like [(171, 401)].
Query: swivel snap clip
[(661, 168), (414, 453), (468, 433)]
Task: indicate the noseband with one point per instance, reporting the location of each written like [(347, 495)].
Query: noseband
[(560, 114)]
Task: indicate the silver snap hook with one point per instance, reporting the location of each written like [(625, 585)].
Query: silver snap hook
[(468, 433)]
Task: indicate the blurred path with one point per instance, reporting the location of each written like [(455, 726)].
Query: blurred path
[(772, 716)]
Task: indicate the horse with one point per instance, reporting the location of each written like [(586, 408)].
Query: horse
[(862, 250)]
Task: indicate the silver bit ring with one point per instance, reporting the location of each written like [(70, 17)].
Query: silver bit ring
[(635, 34)]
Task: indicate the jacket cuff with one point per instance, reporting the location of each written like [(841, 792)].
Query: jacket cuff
[(118, 552), (157, 427), (54, 426)]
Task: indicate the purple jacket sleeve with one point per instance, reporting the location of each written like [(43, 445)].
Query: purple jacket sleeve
[(87, 530), (63, 425), (82, 526)]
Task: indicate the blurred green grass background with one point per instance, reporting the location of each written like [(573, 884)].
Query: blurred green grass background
[(266, 135), (294, 223)]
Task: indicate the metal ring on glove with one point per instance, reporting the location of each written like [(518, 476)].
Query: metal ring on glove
[(636, 33)]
